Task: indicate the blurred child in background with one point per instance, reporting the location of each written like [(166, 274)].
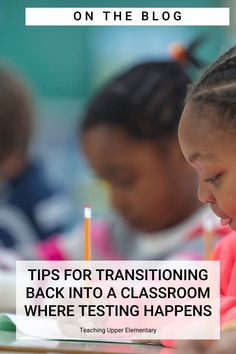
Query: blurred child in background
[(129, 135), (31, 207), (207, 136)]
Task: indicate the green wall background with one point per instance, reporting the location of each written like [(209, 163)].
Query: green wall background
[(58, 60)]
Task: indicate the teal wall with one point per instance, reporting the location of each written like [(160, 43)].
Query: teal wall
[(61, 61)]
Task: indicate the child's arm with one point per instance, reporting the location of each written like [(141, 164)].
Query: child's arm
[(69, 246), (8, 259), (225, 252)]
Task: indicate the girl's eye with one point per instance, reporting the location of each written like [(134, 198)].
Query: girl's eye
[(213, 179), (125, 182)]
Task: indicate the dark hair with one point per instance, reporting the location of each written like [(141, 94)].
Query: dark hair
[(217, 88), (146, 101), (15, 114)]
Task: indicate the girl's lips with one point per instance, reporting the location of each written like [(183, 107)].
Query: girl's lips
[(225, 221)]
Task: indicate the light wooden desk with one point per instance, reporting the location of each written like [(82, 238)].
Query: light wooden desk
[(8, 343)]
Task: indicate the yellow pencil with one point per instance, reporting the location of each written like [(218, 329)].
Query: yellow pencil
[(208, 238), (87, 232)]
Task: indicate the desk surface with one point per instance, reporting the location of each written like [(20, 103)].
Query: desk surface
[(8, 343)]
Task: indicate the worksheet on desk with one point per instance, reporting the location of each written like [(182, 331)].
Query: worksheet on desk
[(28, 328)]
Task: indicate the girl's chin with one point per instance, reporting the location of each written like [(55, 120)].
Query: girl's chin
[(232, 224), (226, 221)]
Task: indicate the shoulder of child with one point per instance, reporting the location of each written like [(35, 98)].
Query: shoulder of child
[(226, 246)]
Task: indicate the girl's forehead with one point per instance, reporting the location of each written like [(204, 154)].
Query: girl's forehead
[(200, 136), (188, 126), (196, 135), (199, 121)]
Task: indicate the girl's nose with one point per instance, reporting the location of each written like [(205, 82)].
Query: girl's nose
[(205, 195), (117, 199)]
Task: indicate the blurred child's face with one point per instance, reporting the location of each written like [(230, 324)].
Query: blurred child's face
[(212, 152), (12, 166), (151, 189)]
